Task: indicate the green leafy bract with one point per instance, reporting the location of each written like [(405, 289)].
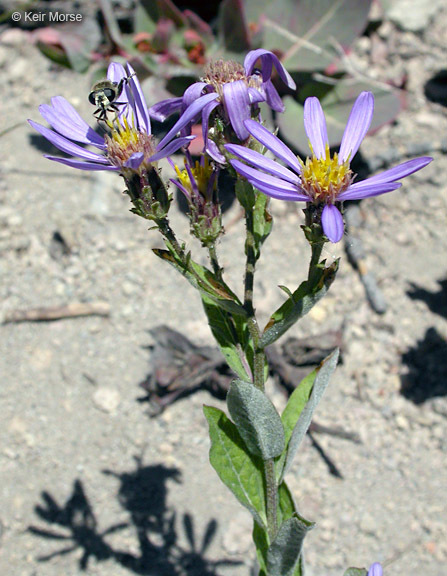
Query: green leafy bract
[(283, 556), (299, 304), (298, 413)]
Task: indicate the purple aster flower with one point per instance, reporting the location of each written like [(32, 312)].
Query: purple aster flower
[(230, 90), (375, 570), (321, 180), (128, 147)]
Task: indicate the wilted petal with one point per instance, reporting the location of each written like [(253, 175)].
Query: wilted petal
[(188, 116), (272, 97), (67, 146), (256, 95), (237, 104), (165, 108), (273, 143), (81, 165), (193, 92), (134, 161), (315, 126), (261, 162), (205, 120), (170, 148), (213, 151), (375, 570), (366, 189), (357, 126), (267, 60), (332, 223), (270, 185), (400, 171), (139, 104), (65, 120)]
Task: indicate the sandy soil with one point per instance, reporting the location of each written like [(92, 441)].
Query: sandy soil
[(89, 482)]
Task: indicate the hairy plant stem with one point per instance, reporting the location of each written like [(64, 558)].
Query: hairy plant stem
[(259, 361), (214, 261)]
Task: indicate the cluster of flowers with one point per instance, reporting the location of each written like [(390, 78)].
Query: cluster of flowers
[(227, 103)]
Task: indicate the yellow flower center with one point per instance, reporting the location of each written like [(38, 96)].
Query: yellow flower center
[(222, 72), (324, 178), (125, 140), (202, 175)]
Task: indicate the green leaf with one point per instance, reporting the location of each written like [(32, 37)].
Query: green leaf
[(261, 541), (356, 572), (302, 301), (240, 472), (205, 281), (283, 556), (319, 379), (233, 32), (308, 32), (229, 333), (256, 419), (286, 505), (337, 103)]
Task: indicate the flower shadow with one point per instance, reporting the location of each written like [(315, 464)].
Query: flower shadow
[(436, 301), (142, 493)]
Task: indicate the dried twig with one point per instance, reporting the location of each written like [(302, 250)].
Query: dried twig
[(45, 314)]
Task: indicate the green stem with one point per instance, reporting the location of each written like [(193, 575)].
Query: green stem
[(271, 499), (258, 369), (214, 261)]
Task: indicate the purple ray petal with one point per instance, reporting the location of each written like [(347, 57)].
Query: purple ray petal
[(267, 60), (181, 188), (81, 165), (315, 126), (272, 97), (67, 146), (269, 184), (134, 161), (165, 108), (261, 162), (65, 120), (375, 570), (237, 104), (274, 144), (140, 107), (116, 72), (357, 126), (332, 223), (402, 170), (193, 92), (188, 116), (365, 189), (170, 148)]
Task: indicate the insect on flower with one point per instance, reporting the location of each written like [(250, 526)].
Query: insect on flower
[(104, 96)]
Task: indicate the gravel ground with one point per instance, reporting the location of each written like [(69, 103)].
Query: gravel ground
[(89, 483)]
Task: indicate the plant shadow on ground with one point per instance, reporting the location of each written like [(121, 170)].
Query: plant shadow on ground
[(142, 493), (427, 369), (427, 360)]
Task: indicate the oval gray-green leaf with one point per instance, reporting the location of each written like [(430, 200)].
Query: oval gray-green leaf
[(241, 473), (256, 419), (356, 572)]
